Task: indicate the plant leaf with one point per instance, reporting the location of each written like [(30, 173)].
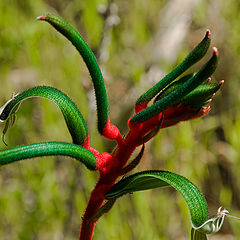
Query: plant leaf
[(153, 179), (73, 118), (49, 149)]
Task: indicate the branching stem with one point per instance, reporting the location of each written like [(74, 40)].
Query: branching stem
[(111, 169)]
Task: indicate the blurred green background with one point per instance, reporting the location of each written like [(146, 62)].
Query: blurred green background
[(136, 42)]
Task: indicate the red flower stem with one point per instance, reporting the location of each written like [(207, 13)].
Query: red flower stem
[(88, 225), (104, 184), (110, 167)]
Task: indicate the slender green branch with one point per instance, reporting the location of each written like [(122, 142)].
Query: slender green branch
[(49, 149)]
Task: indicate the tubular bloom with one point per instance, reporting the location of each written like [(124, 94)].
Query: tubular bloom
[(175, 100)]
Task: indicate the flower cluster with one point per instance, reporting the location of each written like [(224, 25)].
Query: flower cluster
[(175, 98)]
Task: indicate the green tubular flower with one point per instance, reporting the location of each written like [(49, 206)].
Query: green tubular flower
[(175, 101), (196, 98), (153, 179), (176, 96), (193, 105), (75, 38), (48, 149), (73, 118), (197, 53)]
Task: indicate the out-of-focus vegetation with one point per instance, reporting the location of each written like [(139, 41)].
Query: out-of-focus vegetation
[(136, 43)]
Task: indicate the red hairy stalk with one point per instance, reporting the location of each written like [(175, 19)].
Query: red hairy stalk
[(110, 167)]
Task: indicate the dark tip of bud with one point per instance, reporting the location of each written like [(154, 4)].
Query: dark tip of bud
[(208, 33), (221, 82), (41, 17), (215, 51)]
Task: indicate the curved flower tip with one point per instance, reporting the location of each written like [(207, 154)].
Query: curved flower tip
[(2, 118), (214, 224), (221, 82), (208, 33), (43, 17), (215, 51)]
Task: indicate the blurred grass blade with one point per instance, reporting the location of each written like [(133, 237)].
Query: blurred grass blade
[(75, 38), (153, 179), (73, 118), (197, 53), (197, 235), (176, 96), (49, 149)]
